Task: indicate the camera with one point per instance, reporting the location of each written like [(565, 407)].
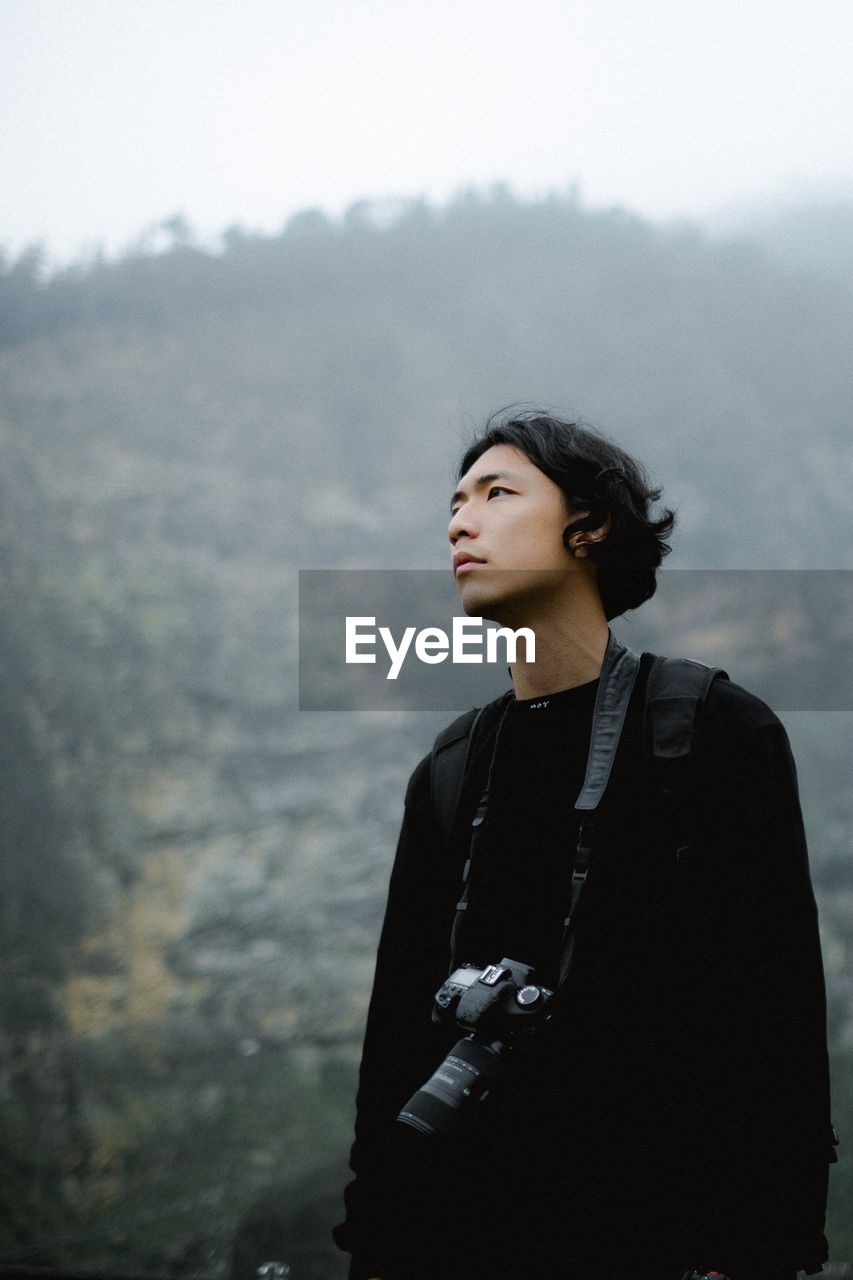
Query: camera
[(501, 1007)]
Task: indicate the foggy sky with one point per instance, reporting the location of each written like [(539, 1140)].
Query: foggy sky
[(118, 113)]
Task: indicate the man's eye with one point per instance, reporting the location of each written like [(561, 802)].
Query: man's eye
[(496, 488)]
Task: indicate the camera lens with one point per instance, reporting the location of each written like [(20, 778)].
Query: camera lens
[(455, 1090)]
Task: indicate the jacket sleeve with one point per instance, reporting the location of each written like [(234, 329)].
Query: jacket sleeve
[(400, 1040), (752, 943)]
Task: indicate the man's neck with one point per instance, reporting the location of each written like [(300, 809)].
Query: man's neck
[(569, 652)]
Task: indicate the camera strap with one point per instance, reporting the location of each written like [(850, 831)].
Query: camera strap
[(616, 683), (618, 677)]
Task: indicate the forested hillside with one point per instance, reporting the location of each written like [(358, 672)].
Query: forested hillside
[(192, 869)]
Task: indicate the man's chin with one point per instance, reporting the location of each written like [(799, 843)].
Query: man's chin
[(490, 599)]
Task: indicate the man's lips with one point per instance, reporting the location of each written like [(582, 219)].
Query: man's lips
[(464, 560)]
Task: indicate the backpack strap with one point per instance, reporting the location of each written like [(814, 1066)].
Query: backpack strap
[(450, 753), (675, 698), (676, 693)]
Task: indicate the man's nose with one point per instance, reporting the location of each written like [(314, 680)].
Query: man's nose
[(461, 526)]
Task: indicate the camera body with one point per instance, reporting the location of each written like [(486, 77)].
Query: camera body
[(500, 1001), (500, 1006)]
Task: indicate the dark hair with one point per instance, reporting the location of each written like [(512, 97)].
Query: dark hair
[(596, 475)]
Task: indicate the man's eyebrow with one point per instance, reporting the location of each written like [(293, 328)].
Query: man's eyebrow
[(482, 481)]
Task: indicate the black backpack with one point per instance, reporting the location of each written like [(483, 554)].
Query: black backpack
[(675, 697)]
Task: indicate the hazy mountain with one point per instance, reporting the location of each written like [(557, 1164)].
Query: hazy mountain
[(193, 869), (813, 238)]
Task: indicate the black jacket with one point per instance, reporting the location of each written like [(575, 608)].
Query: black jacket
[(677, 1112)]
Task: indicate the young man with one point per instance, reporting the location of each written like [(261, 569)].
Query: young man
[(673, 1115)]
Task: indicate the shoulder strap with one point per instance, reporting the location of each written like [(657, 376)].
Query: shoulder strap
[(618, 676), (675, 700), (450, 753)]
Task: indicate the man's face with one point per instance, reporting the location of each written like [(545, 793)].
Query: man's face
[(506, 526)]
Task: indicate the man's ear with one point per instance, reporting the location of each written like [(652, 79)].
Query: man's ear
[(591, 527)]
